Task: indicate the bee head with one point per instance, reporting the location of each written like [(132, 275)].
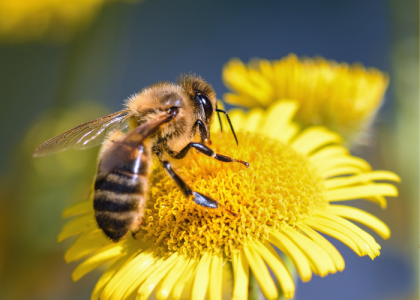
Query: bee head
[(203, 100)]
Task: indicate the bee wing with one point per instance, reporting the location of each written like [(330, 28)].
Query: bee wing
[(87, 135), (121, 150)]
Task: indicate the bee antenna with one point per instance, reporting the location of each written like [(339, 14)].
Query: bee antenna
[(220, 120), (230, 123)]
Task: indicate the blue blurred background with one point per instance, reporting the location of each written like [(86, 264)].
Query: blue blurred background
[(48, 85)]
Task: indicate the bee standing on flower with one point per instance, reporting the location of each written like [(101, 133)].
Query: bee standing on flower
[(168, 120)]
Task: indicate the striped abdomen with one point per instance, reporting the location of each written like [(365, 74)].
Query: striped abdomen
[(119, 196)]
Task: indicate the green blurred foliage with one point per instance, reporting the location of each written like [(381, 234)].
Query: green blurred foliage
[(54, 21), (34, 195), (404, 140), (48, 92)]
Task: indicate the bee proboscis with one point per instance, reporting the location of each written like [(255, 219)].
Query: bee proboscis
[(165, 120)]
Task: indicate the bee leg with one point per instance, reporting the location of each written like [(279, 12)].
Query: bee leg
[(207, 151), (136, 231), (199, 198)]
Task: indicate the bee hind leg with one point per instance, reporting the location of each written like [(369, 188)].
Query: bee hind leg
[(199, 198)]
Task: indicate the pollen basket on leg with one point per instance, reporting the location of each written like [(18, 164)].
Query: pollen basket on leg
[(278, 189)]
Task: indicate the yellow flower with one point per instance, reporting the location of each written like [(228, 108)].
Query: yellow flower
[(284, 200), (58, 20), (341, 97)]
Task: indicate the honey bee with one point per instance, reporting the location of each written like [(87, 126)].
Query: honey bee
[(164, 120)]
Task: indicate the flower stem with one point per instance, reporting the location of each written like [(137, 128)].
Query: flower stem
[(254, 291), (293, 272)]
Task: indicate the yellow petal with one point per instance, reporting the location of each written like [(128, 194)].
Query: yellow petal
[(289, 133), (294, 253), (278, 118), (216, 276), (343, 161), (105, 254), (320, 260), (86, 243), (371, 243), (360, 178), (261, 273), (333, 232), (347, 170), (276, 265), (169, 281), (253, 121), (363, 191), (241, 100), (361, 243), (325, 244), (220, 104), (82, 223), (362, 217), (266, 69), (108, 274), (327, 153), (201, 280), (130, 287), (379, 200), (140, 262), (262, 90), (313, 138), (188, 273), (79, 208), (237, 117), (240, 276), (147, 287), (247, 81), (232, 69)]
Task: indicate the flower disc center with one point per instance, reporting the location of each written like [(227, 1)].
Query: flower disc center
[(278, 189)]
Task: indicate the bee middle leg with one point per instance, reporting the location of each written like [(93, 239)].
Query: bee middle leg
[(199, 198), (207, 151)]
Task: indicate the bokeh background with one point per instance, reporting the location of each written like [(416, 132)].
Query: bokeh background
[(63, 63)]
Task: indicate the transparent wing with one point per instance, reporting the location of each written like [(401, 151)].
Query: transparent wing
[(120, 152), (85, 136)]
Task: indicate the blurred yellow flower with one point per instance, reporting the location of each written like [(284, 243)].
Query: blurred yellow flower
[(284, 200), (341, 97), (57, 20)]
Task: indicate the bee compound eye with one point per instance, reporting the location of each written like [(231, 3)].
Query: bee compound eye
[(205, 102)]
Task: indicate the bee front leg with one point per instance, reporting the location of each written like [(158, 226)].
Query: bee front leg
[(207, 151), (199, 198)]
